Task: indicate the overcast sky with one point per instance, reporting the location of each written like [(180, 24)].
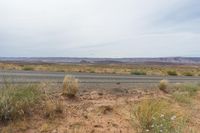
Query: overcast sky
[(99, 28)]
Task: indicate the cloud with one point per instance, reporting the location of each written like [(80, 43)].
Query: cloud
[(99, 28), (183, 16)]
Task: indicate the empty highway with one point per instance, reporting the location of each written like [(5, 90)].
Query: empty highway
[(57, 77)]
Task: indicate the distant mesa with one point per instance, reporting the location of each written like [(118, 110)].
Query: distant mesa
[(108, 62), (71, 60)]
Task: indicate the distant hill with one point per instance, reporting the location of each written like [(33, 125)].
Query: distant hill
[(70, 60)]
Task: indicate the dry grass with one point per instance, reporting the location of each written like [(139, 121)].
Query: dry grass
[(16, 101), (182, 97), (52, 108), (185, 93), (70, 86), (156, 116)]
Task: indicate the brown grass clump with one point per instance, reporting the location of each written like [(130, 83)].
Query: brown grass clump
[(70, 86), (52, 108), (163, 85)]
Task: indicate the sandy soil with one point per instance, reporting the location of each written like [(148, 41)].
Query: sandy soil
[(92, 112)]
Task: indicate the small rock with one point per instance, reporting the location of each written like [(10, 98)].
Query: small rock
[(54, 131), (94, 95)]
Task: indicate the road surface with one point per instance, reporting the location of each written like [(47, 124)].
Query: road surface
[(57, 77)]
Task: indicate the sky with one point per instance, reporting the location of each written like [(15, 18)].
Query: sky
[(99, 28)]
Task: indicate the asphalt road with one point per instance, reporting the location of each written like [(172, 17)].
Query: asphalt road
[(57, 77)]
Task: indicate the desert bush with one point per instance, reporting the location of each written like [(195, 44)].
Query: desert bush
[(60, 70), (163, 85), (28, 68), (70, 86), (156, 116), (16, 101), (91, 71), (172, 73), (188, 74), (138, 73)]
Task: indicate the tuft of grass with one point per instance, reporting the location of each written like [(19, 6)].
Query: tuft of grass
[(191, 89), (182, 97), (70, 86), (28, 68), (52, 108), (16, 101), (163, 85), (156, 116), (172, 73), (138, 73), (185, 93)]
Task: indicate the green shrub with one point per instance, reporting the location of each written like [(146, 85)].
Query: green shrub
[(138, 73), (17, 101), (28, 68), (92, 71), (156, 116), (60, 70), (188, 74), (172, 73)]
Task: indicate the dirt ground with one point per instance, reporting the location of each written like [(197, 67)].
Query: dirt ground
[(92, 112)]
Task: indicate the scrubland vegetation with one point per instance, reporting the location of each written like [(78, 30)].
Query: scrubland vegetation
[(138, 73), (17, 101), (171, 70), (168, 108), (172, 73), (157, 116), (28, 68)]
